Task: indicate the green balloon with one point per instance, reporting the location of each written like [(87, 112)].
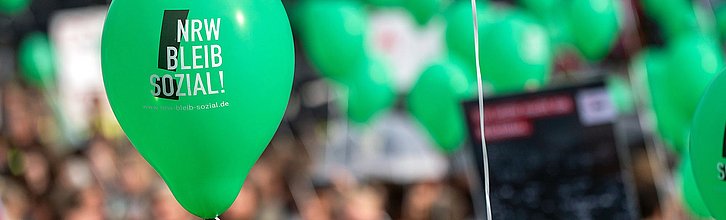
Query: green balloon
[(693, 61), (334, 36), (199, 87), (707, 147), (13, 7), (370, 91), (460, 28), (515, 53), (37, 60), (594, 26), (720, 15), (620, 94), (541, 8), (676, 17), (672, 124), (435, 101), (690, 195), (423, 10)]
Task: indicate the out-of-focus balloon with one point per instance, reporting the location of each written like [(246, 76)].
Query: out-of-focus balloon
[(690, 194), (13, 6), (369, 91), (708, 155), (460, 28), (594, 26), (200, 88), (423, 10), (515, 53), (676, 17), (435, 101), (694, 60), (37, 60), (672, 124), (620, 94), (334, 35)]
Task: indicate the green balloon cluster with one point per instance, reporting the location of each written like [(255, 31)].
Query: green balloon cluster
[(384, 3), (690, 195), (334, 34), (37, 60), (515, 53), (435, 101), (593, 25), (369, 91), (423, 10), (13, 7), (199, 87)]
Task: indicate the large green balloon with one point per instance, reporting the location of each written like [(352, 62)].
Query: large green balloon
[(515, 53), (334, 36), (460, 28), (435, 101), (594, 26), (707, 148), (423, 10), (13, 7), (199, 87), (370, 91), (37, 60), (693, 61), (690, 195)]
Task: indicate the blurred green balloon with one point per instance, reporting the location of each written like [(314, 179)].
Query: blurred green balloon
[(199, 87), (460, 28), (675, 17), (370, 91), (333, 34), (435, 101), (694, 60), (707, 147), (620, 94), (37, 60), (690, 194), (594, 26), (423, 10), (515, 53), (672, 124), (13, 7)]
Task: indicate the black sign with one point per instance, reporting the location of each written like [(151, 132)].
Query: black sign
[(552, 155)]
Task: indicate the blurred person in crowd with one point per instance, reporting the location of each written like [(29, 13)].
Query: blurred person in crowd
[(246, 205), (14, 202), (165, 206), (137, 178), (420, 199), (18, 118), (266, 175), (365, 203)]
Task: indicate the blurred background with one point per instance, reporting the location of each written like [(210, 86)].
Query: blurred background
[(587, 113)]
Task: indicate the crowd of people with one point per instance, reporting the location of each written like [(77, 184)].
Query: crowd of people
[(104, 177)]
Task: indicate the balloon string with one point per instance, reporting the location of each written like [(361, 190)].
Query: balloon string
[(485, 155)]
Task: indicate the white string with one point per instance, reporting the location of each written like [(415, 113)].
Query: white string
[(485, 156)]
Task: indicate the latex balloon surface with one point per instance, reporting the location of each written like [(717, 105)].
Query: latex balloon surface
[(199, 87), (435, 101), (515, 53), (708, 149)]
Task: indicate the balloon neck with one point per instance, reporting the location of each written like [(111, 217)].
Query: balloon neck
[(215, 218)]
